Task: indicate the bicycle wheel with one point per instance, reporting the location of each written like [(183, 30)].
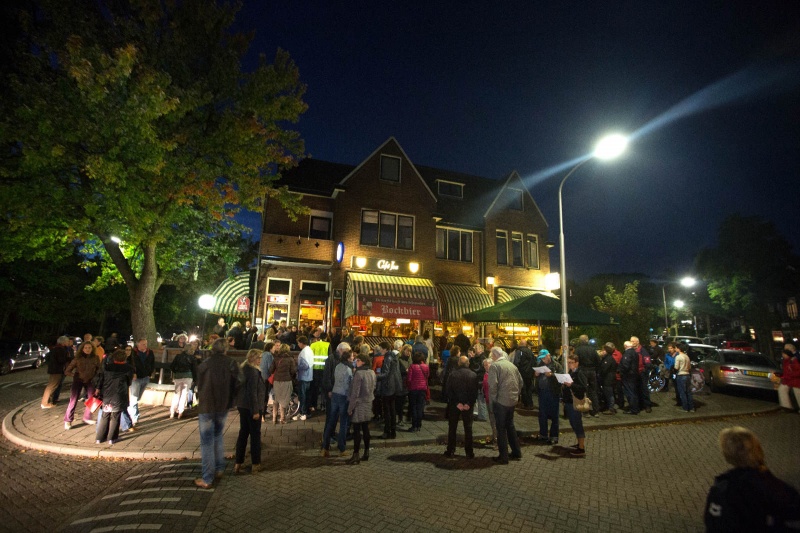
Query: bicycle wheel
[(294, 406), (654, 381)]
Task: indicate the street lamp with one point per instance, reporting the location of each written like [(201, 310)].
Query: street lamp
[(609, 147), (686, 281), (206, 303)]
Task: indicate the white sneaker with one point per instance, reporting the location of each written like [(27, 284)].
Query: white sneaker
[(295, 417), (67, 425), (303, 417)]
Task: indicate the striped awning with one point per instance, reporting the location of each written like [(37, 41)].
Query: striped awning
[(230, 297), (460, 299), (506, 294), (390, 297)]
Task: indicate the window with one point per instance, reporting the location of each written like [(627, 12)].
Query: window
[(502, 247), (454, 245), (533, 251), (369, 228), (313, 286), (387, 230), (279, 286), (512, 199), (390, 168), (448, 188), (320, 228), (516, 249)]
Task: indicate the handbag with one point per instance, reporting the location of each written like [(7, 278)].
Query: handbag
[(271, 378), (582, 406), (93, 403)]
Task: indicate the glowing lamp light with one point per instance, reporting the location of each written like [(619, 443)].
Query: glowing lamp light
[(490, 280), (552, 281), (611, 146), (413, 267), (206, 302), (688, 281), (361, 262), (678, 304), (116, 239), (403, 321)]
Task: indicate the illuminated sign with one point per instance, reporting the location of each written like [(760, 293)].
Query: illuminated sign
[(385, 265), (277, 299), (243, 304), (339, 252), (411, 308)]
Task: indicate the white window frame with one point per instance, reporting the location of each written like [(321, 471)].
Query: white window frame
[(460, 186), (399, 168), (461, 233), (532, 245), (516, 237), (505, 236), (521, 199), (396, 229), (320, 214)]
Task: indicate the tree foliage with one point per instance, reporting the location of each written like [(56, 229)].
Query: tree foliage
[(134, 119), (633, 317), (750, 271)]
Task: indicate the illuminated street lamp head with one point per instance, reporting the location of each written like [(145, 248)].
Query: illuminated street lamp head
[(678, 304), (688, 281), (611, 146), (206, 302)]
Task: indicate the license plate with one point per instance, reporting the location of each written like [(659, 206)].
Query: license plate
[(757, 374)]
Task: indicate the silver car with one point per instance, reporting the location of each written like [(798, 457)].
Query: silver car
[(15, 355), (734, 368)]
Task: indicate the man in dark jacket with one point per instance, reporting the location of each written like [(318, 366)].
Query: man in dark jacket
[(144, 362), (461, 391), (217, 386), (389, 386), (645, 363), (476, 365), (462, 341), (524, 363), (588, 361), (608, 377), (57, 361), (629, 372)]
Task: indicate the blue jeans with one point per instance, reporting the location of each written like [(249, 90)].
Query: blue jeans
[(685, 392), (575, 420), (629, 385), (338, 412), (416, 404), (302, 392), (506, 432), (137, 389), (480, 409), (124, 421), (548, 410), (212, 449)]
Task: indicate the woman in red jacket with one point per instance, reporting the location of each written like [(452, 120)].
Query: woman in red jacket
[(417, 379), (790, 381)]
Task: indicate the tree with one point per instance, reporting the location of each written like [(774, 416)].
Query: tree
[(134, 120), (750, 271), (634, 319)]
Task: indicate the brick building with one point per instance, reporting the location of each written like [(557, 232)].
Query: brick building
[(390, 246)]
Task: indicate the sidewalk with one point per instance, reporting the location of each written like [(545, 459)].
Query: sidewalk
[(159, 438)]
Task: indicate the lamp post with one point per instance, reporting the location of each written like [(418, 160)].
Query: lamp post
[(686, 281), (609, 147), (206, 303)]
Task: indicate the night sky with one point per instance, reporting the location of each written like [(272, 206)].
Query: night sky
[(711, 91)]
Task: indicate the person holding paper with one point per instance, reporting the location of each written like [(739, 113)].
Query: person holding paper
[(549, 395), (578, 388)]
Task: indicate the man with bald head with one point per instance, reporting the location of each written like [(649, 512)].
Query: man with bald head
[(461, 390)]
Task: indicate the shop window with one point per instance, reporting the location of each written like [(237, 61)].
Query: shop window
[(313, 286), (279, 286), (502, 247), (516, 249), (390, 168), (533, 251), (320, 228), (387, 230)]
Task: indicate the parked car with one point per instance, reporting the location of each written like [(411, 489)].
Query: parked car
[(735, 368), (743, 346), (15, 355)]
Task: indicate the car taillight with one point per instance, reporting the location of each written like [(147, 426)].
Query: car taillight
[(728, 369)]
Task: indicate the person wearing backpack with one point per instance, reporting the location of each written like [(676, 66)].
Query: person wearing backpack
[(305, 375)]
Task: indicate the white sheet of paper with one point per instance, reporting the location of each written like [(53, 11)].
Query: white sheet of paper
[(541, 369), (564, 378)]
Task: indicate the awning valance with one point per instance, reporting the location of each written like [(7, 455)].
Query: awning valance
[(506, 294), (391, 297), (458, 300), (232, 297)]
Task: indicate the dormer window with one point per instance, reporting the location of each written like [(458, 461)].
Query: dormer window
[(390, 168), (449, 188)]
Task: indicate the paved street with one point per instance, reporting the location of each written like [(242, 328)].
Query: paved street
[(632, 479)]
